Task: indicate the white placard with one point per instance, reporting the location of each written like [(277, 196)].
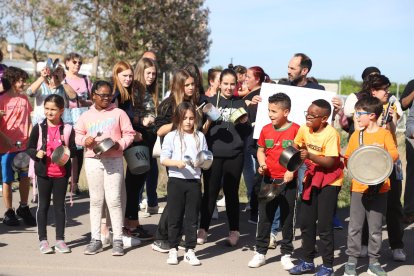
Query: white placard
[(301, 99)]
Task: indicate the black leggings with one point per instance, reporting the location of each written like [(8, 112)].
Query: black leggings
[(47, 186), (133, 184), (227, 171)]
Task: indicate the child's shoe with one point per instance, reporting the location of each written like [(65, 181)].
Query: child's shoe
[(201, 236), (257, 261), (172, 257), (286, 262), (62, 247), (302, 268), (376, 270), (95, 246), (325, 271), (350, 269), (117, 248), (233, 238), (45, 248), (191, 258)]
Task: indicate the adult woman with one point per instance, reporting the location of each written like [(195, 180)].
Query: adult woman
[(225, 140), (183, 89), (213, 77), (255, 76), (147, 84), (124, 94), (82, 86)]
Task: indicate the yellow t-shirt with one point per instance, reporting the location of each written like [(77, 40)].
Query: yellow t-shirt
[(382, 138), (324, 143)]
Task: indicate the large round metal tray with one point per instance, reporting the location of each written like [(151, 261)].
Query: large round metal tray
[(370, 165)]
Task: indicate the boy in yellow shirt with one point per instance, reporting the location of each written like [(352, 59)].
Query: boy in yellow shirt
[(365, 203)]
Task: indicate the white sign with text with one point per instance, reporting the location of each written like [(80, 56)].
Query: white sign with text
[(301, 99)]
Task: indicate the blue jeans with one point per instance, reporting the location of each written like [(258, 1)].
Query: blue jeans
[(249, 172)]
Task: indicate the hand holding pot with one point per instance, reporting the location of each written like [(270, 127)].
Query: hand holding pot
[(181, 164), (138, 137), (261, 170), (304, 154), (40, 154), (89, 141), (116, 146), (288, 176)]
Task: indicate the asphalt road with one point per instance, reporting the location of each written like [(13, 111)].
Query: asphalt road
[(19, 254)]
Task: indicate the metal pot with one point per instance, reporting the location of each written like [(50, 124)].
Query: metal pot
[(103, 146), (61, 155), (290, 159), (212, 112), (204, 159), (138, 159), (21, 162), (269, 191), (236, 115)]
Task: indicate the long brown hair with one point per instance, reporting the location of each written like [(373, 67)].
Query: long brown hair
[(177, 122), (143, 64), (177, 88), (127, 93)]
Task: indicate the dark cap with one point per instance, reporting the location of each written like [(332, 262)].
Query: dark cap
[(369, 70)]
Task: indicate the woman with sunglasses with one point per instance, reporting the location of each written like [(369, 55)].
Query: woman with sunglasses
[(82, 86)]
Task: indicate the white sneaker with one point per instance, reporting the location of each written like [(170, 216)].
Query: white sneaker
[(142, 214), (143, 205), (286, 262), (154, 210), (272, 242), (215, 213), (201, 236), (233, 238), (191, 258), (172, 257), (221, 202), (364, 251), (130, 241), (247, 208), (399, 255), (257, 261)]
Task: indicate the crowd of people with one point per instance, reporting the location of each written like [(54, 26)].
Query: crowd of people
[(80, 117)]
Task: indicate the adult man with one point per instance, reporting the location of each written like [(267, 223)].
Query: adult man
[(298, 69), (407, 102)]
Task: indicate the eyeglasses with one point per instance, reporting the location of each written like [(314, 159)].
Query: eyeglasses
[(311, 116), (76, 62), (360, 113), (104, 96)]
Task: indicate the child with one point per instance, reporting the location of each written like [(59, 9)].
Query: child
[(374, 206), (105, 172), (184, 184), (320, 147), (14, 133), (274, 138), (51, 178)]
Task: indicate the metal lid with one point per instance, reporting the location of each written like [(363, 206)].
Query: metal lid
[(370, 165)]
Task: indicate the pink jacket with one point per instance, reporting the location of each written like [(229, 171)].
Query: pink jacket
[(111, 122)]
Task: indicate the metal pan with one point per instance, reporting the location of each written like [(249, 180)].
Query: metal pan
[(290, 159), (61, 155), (21, 162), (269, 191), (103, 146), (370, 165)]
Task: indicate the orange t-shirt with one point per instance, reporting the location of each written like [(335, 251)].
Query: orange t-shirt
[(16, 121), (382, 138)]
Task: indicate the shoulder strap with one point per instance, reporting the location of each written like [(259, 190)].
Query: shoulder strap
[(85, 78)]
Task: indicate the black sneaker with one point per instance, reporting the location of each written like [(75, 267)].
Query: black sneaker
[(10, 218), (142, 234), (161, 246), (26, 215)]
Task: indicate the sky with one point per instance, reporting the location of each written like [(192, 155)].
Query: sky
[(341, 37)]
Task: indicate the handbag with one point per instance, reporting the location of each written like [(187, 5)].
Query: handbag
[(156, 151)]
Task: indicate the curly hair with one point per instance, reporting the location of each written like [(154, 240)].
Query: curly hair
[(12, 75)]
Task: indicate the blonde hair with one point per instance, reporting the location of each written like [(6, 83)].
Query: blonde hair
[(143, 64)]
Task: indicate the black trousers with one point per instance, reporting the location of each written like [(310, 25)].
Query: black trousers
[(46, 187), (184, 198), (227, 171), (317, 213), (286, 201), (133, 186), (393, 217)]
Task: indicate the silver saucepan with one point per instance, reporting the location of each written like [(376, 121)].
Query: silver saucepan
[(103, 146), (61, 155), (269, 191), (290, 159), (204, 159)]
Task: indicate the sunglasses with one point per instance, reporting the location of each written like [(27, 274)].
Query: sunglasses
[(76, 62)]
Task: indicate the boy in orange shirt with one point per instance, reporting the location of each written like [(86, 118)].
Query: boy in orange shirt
[(368, 202), (319, 143)]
